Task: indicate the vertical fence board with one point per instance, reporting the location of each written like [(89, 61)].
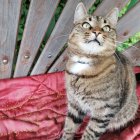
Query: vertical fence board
[(38, 19), (9, 19), (56, 40)]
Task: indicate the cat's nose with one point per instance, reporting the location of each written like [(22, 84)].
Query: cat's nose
[(96, 33)]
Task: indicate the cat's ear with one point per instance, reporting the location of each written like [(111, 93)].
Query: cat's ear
[(112, 16), (80, 12)]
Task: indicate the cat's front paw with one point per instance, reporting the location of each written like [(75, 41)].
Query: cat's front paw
[(87, 137), (66, 137)]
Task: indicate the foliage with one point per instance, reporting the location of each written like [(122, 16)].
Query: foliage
[(131, 41)]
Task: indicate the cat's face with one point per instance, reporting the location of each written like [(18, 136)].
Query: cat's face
[(93, 34)]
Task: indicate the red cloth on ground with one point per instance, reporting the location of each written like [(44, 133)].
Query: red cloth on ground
[(34, 108)]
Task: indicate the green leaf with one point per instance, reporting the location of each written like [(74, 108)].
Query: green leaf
[(20, 29), (19, 37), (132, 3)]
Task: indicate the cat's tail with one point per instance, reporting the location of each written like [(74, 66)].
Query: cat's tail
[(125, 115), (130, 104)]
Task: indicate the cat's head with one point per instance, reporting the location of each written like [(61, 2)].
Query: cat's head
[(94, 35)]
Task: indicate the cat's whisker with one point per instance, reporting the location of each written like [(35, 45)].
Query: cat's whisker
[(126, 50), (55, 37), (134, 46), (112, 44), (127, 44), (122, 42), (62, 35), (117, 41), (118, 58), (111, 39)]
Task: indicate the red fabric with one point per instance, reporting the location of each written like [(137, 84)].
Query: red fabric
[(137, 70), (34, 108)]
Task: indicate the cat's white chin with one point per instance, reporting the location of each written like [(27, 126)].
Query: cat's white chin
[(91, 48)]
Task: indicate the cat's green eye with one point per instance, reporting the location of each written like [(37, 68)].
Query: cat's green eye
[(86, 25), (106, 28)]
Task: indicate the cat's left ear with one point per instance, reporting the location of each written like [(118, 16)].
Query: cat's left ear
[(112, 16), (80, 12)]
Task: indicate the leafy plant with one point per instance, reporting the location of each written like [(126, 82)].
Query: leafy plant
[(131, 41)]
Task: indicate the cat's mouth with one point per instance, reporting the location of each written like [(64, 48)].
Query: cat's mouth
[(95, 40)]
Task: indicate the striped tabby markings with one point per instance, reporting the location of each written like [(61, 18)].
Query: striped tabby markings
[(73, 120), (79, 111), (100, 128), (71, 125)]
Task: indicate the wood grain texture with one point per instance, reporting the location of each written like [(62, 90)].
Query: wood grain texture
[(133, 54), (60, 64), (38, 19), (129, 24), (9, 19), (108, 5), (55, 42)]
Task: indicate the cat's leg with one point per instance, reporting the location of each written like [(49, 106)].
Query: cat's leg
[(96, 127), (73, 120), (99, 121)]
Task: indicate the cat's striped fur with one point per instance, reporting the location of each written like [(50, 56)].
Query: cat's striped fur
[(99, 81)]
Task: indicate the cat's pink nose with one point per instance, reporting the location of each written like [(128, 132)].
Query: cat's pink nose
[(96, 33)]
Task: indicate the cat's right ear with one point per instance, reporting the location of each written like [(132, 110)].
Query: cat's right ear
[(80, 12), (112, 16)]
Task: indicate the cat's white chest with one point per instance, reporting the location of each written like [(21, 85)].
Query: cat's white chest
[(78, 67)]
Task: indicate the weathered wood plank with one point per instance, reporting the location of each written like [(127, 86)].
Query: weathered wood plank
[(38, 19), (60, 64), (9, 19), (102, 10), (133, 54), (129, 24), (108, 5), (55, 43)]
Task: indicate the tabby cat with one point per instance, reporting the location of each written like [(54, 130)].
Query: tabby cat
[(99, 81)]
